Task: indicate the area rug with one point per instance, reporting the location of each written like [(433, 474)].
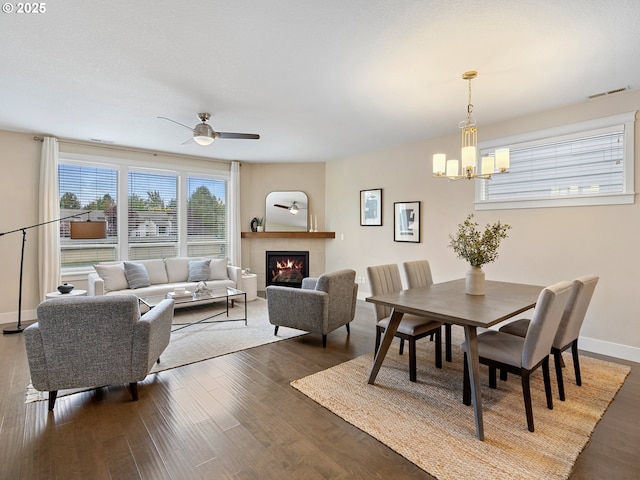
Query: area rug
[(207, 340), (427, 423)]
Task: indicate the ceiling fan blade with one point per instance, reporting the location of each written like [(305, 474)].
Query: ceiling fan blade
[(188, 141), (245, 136), (178, 123), (281, 206)]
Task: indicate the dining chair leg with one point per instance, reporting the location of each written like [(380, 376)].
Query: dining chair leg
[(439, 348), (503, 375), (466, 383), (557, 360), (447, 339), (576, 362), (401, 351), (547, 382), (492, 377), (412, 359), (526, 393), (378, 338)]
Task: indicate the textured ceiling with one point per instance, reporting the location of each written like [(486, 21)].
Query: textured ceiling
[(318, 80)]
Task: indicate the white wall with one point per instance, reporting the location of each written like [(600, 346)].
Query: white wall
[(544, 246)]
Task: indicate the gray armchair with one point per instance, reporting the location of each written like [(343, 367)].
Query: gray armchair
[(95, 341), (322, 305)]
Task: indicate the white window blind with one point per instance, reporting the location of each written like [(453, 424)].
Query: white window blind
[(152, 215), (588, 166), (93, 190), (207, 217)]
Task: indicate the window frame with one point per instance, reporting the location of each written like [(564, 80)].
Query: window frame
[(557, 135), (124, 166)]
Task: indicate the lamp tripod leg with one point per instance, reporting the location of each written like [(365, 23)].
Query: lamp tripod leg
[(18, 328)]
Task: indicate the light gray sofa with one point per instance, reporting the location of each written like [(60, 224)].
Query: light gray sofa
[(95, 341), (322, 305), (164, 275)]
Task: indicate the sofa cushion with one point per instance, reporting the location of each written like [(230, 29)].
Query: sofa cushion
[(218, 269), (113, 276), (177, 269), (156, 270), (198, 270), (136, 275)]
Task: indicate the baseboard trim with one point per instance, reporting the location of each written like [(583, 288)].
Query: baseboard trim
[(610, 349)]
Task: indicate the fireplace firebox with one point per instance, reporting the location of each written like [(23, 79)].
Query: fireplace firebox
[(286, 268)]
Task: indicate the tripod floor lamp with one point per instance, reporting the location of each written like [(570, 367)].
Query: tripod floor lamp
[(79, 231)]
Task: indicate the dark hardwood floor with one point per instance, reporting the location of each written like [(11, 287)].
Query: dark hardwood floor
[(237, 417)]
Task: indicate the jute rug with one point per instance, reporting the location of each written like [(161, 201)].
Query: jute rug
[(427, 423), (207, 340)]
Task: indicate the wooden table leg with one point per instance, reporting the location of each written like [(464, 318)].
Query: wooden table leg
[(473, 364), (389, 333)]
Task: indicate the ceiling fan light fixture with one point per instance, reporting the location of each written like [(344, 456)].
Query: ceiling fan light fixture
[(293, 209), (203, 140), (203, 134)]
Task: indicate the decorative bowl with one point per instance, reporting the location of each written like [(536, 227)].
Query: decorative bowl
[(65, 288)]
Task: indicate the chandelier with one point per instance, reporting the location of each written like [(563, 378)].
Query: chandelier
[(450, 169)]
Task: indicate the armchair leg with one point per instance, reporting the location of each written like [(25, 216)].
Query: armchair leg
[(324, 341), (53, 394), (134, 391), (275, 332), (348, 329), (492, 377)]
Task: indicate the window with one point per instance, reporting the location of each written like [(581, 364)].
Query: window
[(90, 189), (582, 164), (206, 217), (150, 213)]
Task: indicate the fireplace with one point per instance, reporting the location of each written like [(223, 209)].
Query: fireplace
[(286, 268)]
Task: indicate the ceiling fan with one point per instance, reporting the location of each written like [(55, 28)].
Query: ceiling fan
[(204, 135), (293, 208)]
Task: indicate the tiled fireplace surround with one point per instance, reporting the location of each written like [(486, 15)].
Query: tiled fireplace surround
[(254, 251)]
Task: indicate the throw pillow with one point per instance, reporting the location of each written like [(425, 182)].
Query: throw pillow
[(113, 276), (198, 270), (218, 269), (137, 275)]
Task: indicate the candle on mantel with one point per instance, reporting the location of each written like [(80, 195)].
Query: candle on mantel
[(310, 223)]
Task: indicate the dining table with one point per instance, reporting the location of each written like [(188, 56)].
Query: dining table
[(449, 303)]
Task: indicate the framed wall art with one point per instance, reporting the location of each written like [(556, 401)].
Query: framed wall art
[(371, 207), (406, 222)]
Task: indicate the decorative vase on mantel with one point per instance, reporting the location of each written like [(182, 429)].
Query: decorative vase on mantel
[(474, 284)]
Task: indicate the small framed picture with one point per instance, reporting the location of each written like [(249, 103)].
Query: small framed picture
[(406, 222), (371, 207)]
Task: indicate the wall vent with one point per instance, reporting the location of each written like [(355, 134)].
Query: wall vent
[(610, 92)]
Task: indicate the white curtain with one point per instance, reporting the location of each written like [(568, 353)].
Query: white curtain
[(235, 255), (49, 235)]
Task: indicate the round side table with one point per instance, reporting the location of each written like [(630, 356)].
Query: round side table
[(76, 292), (250, 286)]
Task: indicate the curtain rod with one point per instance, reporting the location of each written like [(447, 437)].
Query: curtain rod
[(154, 153)]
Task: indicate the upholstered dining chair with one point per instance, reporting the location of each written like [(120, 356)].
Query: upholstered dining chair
[(95, 341), (418, 274), (569, 329), (522, 356), (321, 305), (386, 279)]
